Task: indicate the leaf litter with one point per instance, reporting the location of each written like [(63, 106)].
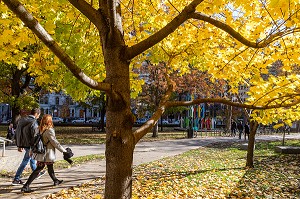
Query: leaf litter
[(215, 172)]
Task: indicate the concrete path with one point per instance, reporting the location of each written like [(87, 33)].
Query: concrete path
[(144, 152)]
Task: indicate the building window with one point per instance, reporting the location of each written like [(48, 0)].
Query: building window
[(57, 100), (69, 101), (44, 100)]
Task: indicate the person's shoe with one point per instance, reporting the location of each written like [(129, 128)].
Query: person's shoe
[(17, 182), (57, 182), (41, 174), (26, 189)]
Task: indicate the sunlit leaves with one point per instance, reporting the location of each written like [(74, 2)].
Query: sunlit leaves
[(195, 42), (209, 48), (213, 172), (193, 175), (74, 32)]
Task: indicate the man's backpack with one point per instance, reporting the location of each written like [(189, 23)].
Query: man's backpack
[(38, 145)]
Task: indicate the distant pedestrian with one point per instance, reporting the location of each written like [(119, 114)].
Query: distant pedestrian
[(233, 128), (26, 129), (240, 129), (208, 123), (10, 132), (48, 136), (247, 131)]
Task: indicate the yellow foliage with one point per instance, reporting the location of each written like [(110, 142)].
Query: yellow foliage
[(195, 43)]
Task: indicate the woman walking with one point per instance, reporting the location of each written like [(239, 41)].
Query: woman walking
[(46, 128)]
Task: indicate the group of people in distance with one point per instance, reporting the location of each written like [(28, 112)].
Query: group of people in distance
[(240, 128), (27, 128)]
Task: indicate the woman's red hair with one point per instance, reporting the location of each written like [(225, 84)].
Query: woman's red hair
[(46, 123)]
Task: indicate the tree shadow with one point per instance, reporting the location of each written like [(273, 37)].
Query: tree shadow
[(275, 176), (167, 174)]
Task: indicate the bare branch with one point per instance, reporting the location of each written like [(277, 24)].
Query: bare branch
[(238, 36), (46, 38), (163, 33), (143, 130)]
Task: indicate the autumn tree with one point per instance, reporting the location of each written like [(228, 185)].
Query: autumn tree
[(194, 82), (21, 82), (16, 89), (234, 40)]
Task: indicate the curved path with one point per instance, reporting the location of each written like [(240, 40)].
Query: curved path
[(144, 152)]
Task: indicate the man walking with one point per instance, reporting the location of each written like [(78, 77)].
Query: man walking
[(240, 128), (233, 128), (247, 131), (26, 129)]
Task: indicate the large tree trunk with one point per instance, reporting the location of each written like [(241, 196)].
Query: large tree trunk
[(251, 143), (119, 123), (102, 113), (16, 114), (16, 91)]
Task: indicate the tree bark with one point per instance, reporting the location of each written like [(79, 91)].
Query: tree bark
[(16, 92), (251, 143), (119, 136), (228, 119), (102, 113), (155, 130)]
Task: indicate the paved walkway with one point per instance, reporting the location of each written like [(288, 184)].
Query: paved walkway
[(144, 152)]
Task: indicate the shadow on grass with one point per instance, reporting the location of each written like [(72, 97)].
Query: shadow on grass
[(275, 176), (165, 175)]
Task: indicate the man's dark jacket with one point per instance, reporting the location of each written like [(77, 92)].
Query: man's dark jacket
[(26, 130)]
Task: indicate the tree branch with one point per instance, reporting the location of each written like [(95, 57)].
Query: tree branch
[(144, 129), (91, 13), (223, 26), (230, 103), (244, 109), (44, 36), (135, 50), (26, 83), (273, 90)]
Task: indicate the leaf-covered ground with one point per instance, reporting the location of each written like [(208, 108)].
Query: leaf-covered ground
[(217, 171)]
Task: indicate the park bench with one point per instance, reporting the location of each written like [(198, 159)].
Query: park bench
[(244, 146), (212, 132), (287, 149), (96, 127), (3, 142)]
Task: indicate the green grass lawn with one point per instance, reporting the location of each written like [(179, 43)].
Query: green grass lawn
[(85, 135), (216, 171)]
